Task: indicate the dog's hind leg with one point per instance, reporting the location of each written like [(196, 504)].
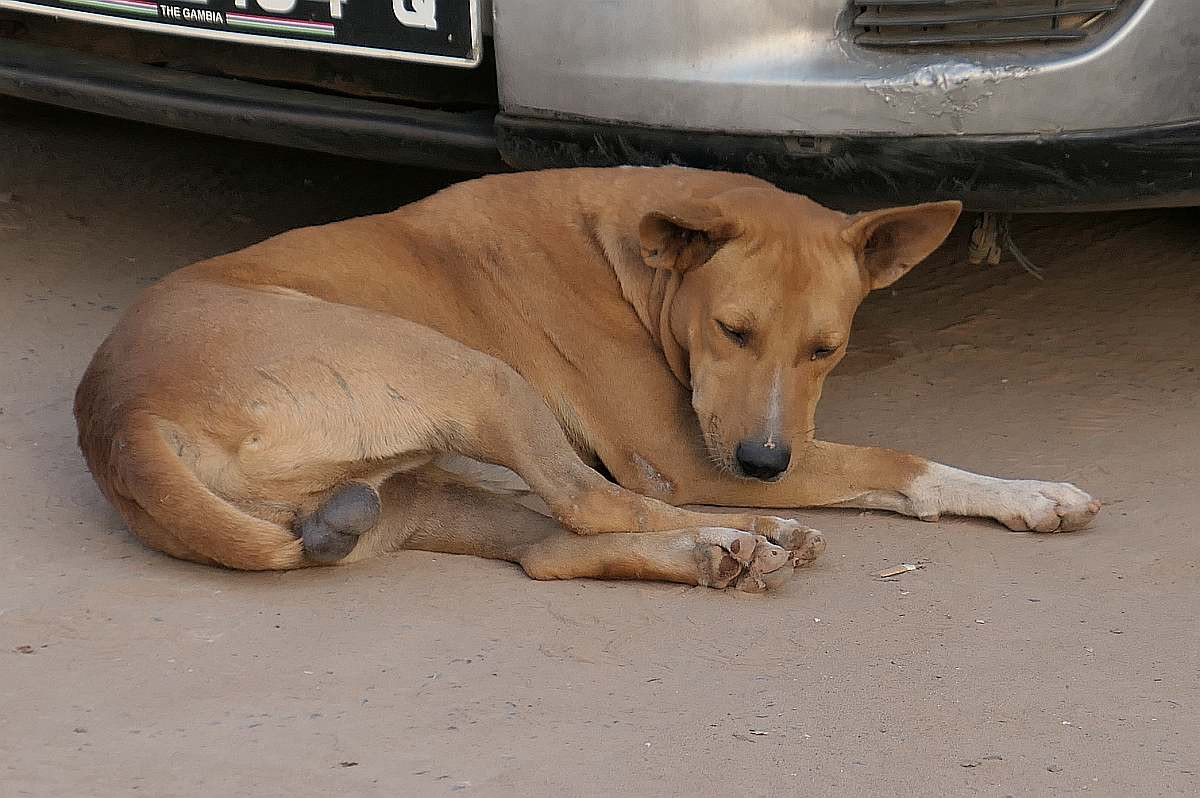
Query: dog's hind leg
[(423, 512)]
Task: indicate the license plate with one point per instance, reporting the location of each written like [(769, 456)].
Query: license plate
[(427, 31)]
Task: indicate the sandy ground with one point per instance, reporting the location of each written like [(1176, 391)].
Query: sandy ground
[(1009, 664)]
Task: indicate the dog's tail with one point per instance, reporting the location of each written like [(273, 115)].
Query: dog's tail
[(170, 509)]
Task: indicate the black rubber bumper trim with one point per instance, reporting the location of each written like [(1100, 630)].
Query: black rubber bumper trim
[(238, 109), (1126, 168)]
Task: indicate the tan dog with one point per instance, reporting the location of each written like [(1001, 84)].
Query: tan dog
[(324, 395)]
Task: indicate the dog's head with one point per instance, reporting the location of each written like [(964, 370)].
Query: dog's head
[(760, 293)]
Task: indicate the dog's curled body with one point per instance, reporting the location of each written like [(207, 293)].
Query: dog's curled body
[(248, 410)]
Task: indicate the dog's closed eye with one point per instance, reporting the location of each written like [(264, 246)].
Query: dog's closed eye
[(738, 335), (822, 352)]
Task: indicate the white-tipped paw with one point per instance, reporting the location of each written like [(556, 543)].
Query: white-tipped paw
[(1047, 507), (804, 542)]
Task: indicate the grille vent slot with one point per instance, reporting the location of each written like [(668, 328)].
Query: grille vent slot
[(924, 23)]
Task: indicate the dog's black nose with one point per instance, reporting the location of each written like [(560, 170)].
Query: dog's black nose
[(763, 460)]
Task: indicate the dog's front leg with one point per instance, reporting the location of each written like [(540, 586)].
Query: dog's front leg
[(831, 474), (1020, 504)]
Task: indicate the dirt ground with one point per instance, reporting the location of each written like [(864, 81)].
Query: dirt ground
[(1009, 664)]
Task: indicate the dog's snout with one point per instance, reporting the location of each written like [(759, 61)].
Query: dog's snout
[(763, 460)]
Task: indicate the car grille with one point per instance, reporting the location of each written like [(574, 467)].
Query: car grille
[(921, 23)]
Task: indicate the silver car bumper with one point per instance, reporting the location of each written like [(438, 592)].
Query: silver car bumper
[(774, 67), (1105, 114)]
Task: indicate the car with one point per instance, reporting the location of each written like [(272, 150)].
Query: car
[(1007, 105)]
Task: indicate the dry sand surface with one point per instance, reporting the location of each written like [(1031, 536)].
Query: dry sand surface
[(1008, 664)]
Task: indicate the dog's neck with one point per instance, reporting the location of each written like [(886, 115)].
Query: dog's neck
[(664, 285), (650, 292)]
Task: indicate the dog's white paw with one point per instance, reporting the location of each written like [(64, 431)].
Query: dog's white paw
[(1046, 506), (804, 542)]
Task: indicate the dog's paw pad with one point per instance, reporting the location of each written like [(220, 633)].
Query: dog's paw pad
[(751, 563), (808, 549)]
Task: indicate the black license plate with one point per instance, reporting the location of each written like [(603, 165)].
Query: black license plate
[(428, 31)]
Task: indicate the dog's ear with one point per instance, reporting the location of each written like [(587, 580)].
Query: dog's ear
[(684, 234), (892, 241)]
